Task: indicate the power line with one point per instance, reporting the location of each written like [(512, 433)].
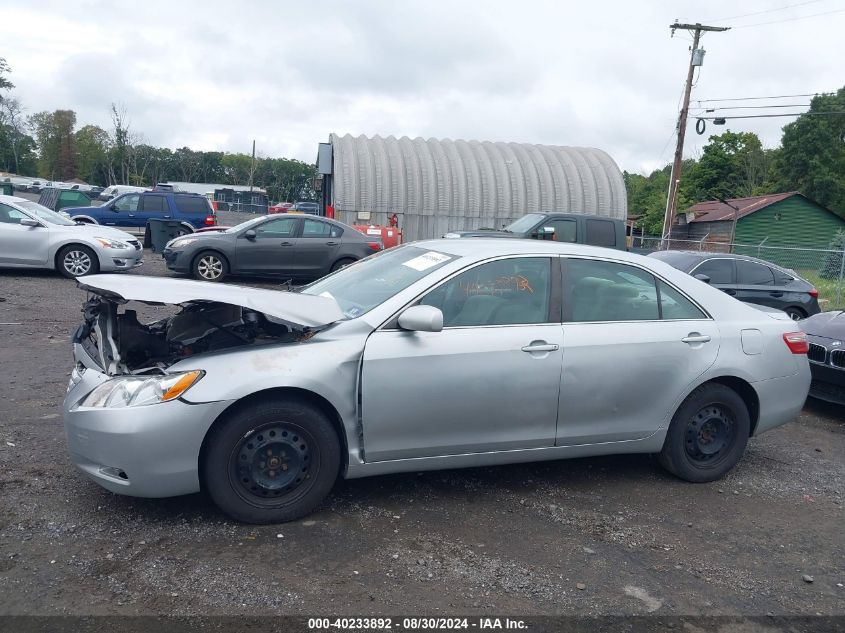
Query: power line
[(746, 15), (764, 116), (754, 107), (809, 94), (800, 17)]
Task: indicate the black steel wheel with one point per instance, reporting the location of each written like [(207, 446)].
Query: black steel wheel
[(707, 435), (271, 464), (270, 461), (342, 263)]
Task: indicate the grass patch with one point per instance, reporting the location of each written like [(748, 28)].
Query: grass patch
[(827, 290)]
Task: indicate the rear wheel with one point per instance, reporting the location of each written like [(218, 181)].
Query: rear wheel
[(210, 266), (708, 434), (796, 314), (76, 260), (342, 263), (272, 461)]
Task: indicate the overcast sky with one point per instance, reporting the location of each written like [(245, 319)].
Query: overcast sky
[(215, 75)]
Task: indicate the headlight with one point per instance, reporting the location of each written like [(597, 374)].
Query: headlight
[(181, 242), (451, 236), (136, 391), (110, 243)]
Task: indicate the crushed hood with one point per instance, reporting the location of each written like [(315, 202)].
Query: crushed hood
[(306, 311)]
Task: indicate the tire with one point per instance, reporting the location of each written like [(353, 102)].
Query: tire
[(796, 314), (707, 435), (210, 266), (75, 260), (342, 263), (241, 480)]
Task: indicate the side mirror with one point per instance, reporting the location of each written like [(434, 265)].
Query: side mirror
[(250, 234), (421, 319), (30, 222), (702, 277), (543, 233)]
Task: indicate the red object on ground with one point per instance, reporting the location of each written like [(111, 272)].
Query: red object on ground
[(389, 235)]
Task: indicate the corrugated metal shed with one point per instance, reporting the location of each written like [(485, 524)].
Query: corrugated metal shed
[(435, 186)]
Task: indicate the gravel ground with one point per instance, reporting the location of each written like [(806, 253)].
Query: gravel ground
[(607, 536)]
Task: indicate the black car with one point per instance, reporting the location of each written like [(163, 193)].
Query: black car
[(826, 335), (748, 279), (297, 247), (574, 228)]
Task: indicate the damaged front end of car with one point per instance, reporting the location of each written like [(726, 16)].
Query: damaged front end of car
[(113, 341)]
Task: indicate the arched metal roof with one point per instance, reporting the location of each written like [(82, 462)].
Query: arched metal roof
[(440, 185)]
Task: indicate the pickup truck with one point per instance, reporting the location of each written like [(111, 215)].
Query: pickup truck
[(561, 227)]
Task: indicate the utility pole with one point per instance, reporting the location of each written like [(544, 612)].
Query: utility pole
[(696, 59)]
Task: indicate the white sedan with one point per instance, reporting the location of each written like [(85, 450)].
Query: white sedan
[(33, 236)]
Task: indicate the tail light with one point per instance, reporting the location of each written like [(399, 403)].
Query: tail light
[(796, 342), (210, 220), (376, 246), (814, 293)]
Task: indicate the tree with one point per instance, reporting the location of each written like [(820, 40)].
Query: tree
[(57, 152), (732, 165), (812, 156), (5, 69), (93, 144)]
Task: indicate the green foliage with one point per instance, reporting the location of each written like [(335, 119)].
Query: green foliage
[(57, 144), (732, 165), (812, 158), (832, 266)]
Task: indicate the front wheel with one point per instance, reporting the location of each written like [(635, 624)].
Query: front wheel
[(210, 266), (76, 260), (271, 461), (708, 434)]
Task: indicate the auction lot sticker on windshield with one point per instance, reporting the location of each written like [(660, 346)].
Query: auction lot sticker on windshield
[(426, 261)]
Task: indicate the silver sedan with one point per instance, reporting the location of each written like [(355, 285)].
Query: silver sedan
[(33, 236), (438, 354)]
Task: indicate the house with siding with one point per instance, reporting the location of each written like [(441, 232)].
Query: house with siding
[(780, 219)]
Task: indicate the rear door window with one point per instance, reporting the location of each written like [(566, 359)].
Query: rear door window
[(153, 204), (192, 204), (608, 291), (601, 233), (316, 228), (753, 274), (720, 271)]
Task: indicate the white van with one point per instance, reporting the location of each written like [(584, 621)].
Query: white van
[(115, 190)]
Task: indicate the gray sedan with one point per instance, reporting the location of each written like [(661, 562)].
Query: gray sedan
[(33, 236), (296, 246), (439, 354)]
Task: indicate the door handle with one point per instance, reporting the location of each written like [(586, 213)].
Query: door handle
[(541, 347), (776, 294), (729, 291), (286, 244), (331, 243), (695, 337)]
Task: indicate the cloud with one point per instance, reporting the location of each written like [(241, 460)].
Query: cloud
[(214, 75)]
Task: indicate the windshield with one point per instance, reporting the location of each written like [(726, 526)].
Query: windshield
[(362, 286), (43, 213), (524, 223)]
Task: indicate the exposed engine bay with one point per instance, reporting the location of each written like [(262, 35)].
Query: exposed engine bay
[(118, 343)]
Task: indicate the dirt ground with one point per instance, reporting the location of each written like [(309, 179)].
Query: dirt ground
[(612, 535)]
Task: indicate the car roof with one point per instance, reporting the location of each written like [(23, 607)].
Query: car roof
[(14, 199)]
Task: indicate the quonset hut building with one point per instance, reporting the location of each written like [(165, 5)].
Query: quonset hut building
[(436, 186)]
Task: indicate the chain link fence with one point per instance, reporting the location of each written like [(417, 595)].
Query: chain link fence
[(822, 267)]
